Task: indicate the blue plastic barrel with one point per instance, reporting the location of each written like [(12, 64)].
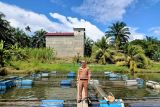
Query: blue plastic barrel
[(65, 82), (9, 83), (26, 82), (140, 81), (13, 79), (103, 103), (2, 86), (52, 103), (71, 75), (72, 72)]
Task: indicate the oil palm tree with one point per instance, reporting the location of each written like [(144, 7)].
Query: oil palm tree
[(102, 53), (5, 31), (136, 58), (21, 38), (38, 39), (4, 27), (120, 32)]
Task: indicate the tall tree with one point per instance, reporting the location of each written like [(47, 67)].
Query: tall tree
[(120, 32), (21, 38), (38, 39), (5, 33)]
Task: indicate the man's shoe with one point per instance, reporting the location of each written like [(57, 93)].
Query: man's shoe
[(78, 101)]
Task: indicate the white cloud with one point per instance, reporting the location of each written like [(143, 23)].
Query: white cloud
[(91, 30), (19, 17), (103, 10), (155, 30), (135, 34)]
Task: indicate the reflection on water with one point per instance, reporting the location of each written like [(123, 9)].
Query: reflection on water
[(40, 92)]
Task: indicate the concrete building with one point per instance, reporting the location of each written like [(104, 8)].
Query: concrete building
[(67, 44)]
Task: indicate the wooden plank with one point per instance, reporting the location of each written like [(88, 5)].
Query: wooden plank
[(83, 103)]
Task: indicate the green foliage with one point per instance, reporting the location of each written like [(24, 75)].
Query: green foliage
[(101, 53), (133, 66), (88, 47), (38, 39), (156, 55), (4, 54), (40, 54), (21, 38), (136, 57), (121, 63), (119, 32), (150, 45)]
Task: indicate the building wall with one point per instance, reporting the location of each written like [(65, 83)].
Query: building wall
[(67, 46)]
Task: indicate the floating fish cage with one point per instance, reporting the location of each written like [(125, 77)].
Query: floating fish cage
[(118, 103), (66, 83), (52, 103), (153, 84), (131, 82)]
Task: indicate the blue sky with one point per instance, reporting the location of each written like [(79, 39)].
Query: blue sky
[(141, 16)]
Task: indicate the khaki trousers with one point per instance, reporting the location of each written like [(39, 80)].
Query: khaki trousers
[(83, 84)]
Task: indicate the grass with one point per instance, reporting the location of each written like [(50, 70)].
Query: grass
[(154, 68), (24, 67), (35, 66)]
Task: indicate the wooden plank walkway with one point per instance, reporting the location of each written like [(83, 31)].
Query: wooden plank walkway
[(83, 103)]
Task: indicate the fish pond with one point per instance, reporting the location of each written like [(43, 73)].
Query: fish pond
[(51, 87)]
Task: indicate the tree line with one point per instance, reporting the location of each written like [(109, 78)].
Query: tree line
[(113, 48)]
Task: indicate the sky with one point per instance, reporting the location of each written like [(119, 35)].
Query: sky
[(141, 16)]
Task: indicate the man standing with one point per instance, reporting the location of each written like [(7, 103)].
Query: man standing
[(83, 78)]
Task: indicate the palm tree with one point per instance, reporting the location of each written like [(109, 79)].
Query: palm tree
[(38, 40), (102, 53), (21, 37), (136, 58), (120, 32), (4, 25), (5, 31)]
